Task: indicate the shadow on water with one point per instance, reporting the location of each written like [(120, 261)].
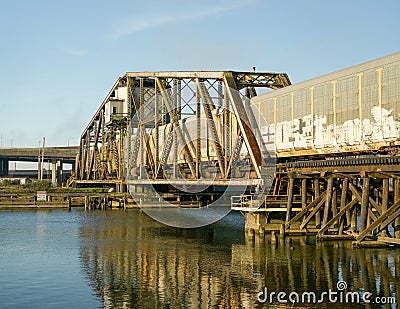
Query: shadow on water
[(131, 261)]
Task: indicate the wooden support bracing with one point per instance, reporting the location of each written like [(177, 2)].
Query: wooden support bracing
[(316, 202), (368, 213)]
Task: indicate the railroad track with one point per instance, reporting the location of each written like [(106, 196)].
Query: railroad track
[(347, 163)]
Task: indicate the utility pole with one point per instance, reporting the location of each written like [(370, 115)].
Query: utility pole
[(42, 161), (39, 167)]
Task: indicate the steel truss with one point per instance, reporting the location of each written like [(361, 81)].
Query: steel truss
[(138, 127)]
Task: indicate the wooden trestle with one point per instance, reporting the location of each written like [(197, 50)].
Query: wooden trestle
[(359, 202)]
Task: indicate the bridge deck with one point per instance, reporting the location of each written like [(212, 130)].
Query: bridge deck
[(67, 154)]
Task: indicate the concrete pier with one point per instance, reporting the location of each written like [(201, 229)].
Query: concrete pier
[(4, 167)]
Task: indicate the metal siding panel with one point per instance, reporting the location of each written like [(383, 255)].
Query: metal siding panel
[(380, 111), (323, 115), (283, 130), (347, 100), (391, 88), (370, 93), (302, 103)]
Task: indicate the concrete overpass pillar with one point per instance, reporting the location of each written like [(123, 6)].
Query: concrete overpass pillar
[(54, 173), (60, 172), (4, 167)]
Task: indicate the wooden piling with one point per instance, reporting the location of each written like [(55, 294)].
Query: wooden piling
[(385, 200), (343, 198), (364, 204), (328, 200), (316, 194), (396, 194), (290, 199), (303, 194)]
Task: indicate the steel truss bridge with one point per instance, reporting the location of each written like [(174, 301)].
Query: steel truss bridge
[(173, 129), (134, 136)]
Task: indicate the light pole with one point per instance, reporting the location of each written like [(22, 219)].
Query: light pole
[(39, 165)]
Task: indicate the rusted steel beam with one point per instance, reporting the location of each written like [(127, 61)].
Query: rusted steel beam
[(178, 74), (175, 123), (243, 79), (96, 137), (208, 106), (244, 123)]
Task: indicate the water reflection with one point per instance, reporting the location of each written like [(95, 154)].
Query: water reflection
[(132, 261)]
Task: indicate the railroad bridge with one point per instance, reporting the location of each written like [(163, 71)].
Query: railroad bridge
[(319, 157)]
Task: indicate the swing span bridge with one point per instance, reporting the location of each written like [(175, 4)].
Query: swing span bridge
[(335, 138)]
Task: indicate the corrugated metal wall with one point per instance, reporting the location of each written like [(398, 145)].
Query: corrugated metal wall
[(350, 110)]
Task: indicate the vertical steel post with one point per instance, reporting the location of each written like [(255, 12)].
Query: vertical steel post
[(87, 152), (140, 127), (156, 127), (198, 132), (175, 111), (120, 150), (227, 128), (128, 133), (219, 94)]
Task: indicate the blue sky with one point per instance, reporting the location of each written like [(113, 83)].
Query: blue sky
[(59, 59)]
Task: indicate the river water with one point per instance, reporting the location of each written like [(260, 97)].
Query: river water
[(124, 259)]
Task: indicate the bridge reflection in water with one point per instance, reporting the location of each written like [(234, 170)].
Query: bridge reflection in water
[(131, 261)]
